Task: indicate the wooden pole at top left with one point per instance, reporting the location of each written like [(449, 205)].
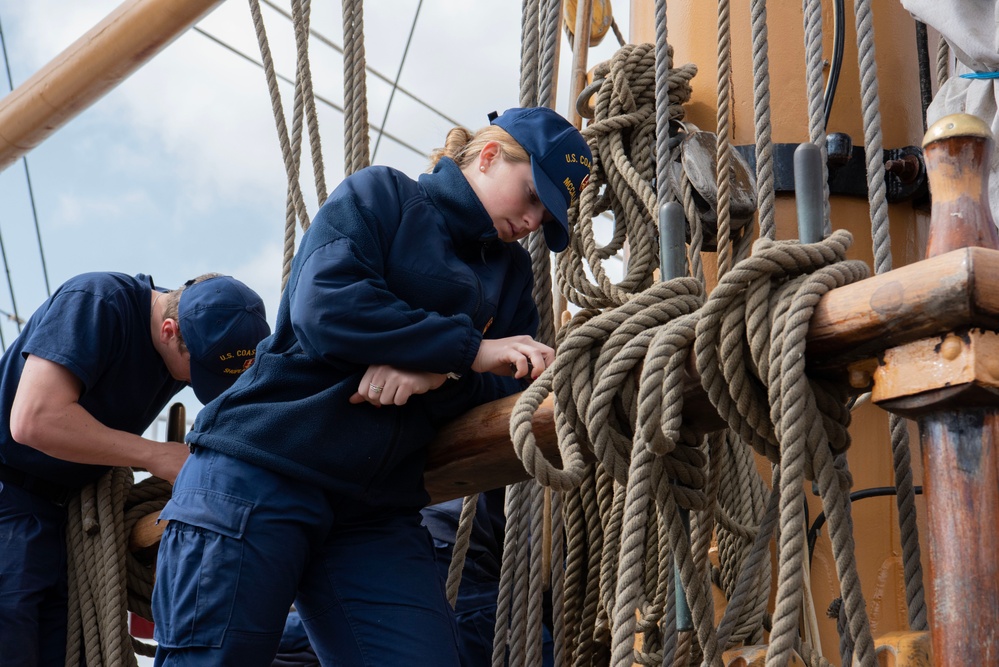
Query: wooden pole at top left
[(88, 68)]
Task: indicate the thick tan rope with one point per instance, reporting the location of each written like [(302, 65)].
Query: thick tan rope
[(535, 588), (104, 579), (575, 529), (621, 139), (814, 72), (943, 61), (300, 10), (501, 639), (295, 204), (558, 595), (724, 146), (765, 194), (806, 421), (460, 549), (664, 61), (905, 496), (356, 156)]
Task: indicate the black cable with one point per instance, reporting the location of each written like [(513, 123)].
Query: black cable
[(923, 56), (820, 519), (839, 28), (339, 49), (318, 97), (395, 83)]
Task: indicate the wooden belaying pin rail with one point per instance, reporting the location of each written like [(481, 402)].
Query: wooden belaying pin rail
[(852, 323)]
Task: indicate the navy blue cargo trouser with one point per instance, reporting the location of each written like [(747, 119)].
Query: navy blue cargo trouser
[(243, 543)]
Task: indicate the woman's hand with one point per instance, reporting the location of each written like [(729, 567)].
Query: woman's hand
[(518, 356), (385, 385)]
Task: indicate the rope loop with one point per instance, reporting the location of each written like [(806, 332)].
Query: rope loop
[(621, 138)]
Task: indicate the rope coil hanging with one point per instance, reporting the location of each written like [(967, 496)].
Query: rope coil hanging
[(621, 138), (105, 580)]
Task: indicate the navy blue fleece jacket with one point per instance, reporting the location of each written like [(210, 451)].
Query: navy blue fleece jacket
[(391, 271)]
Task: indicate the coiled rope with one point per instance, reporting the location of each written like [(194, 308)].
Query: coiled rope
[(621, 137), (105, 580), (798, 423)]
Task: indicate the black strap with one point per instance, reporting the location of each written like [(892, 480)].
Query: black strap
[(56, 493)]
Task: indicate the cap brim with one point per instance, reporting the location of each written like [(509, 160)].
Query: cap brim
[(557, 230), (207, 385)]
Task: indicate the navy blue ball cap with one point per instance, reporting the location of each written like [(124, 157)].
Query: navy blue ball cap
[(560, 161), (221, 320)]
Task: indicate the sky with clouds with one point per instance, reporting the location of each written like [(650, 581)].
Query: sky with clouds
[(178, 170)]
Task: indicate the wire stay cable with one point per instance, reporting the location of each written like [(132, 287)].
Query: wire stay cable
[(320, 98), (398, 75)]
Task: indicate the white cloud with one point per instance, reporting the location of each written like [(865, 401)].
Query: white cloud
[(72, 210)]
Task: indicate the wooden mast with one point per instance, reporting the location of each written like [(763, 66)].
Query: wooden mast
[(90, 67)]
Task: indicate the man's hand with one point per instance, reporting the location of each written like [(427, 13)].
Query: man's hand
[(167, 458), (518, 356), (385, 385)]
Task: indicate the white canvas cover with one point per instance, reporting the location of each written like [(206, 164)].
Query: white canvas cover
[(971, 28)]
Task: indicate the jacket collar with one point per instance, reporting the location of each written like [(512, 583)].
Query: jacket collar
[(464, 216)]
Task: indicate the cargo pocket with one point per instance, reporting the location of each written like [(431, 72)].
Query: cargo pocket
[(198, 572)]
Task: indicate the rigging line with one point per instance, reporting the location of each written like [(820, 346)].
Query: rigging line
[(27, 178), (398, 75), (3, 249), (329, 103), (339, 49)]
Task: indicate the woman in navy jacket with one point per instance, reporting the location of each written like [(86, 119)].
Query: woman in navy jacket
[(409, 302)]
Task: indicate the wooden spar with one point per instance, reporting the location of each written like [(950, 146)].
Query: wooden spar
[(580, 52), (950, 385), (94, 64)]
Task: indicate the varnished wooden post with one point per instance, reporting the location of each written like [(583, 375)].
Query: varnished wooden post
[(950, 385), (957, 150)]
